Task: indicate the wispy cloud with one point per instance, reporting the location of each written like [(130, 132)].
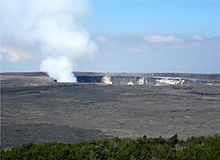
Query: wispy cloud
[(162, 53), (14, 55), (198, 37), (161, 38), (136, 49), (101, 38)]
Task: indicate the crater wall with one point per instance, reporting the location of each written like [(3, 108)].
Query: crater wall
[(157, 79)]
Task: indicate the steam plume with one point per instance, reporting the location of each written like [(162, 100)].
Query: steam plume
[(53, 26), (62, 71)]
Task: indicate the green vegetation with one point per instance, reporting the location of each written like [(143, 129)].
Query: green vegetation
[(202, 148)]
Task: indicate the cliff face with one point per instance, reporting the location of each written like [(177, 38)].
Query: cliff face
[(155, 79), (158, 79)]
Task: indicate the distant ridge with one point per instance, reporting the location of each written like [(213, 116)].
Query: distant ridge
[(210, 76)]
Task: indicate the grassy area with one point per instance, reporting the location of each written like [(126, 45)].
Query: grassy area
[(201, 148)]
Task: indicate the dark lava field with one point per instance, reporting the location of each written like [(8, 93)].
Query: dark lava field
[(35, 109)]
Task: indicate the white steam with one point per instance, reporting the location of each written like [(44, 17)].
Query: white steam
[(59, 68), (53, 26)]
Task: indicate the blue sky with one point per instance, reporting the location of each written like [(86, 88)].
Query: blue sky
[(144, 17), (133, 36)]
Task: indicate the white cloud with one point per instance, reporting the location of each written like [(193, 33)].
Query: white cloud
[(101, 39), (14, 55), (161, 38), (198, 37)]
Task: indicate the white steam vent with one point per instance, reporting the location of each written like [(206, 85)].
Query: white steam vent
[(52, 27), (62, 69), (106, 80)]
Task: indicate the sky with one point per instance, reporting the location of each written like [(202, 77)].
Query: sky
[(129, 36)]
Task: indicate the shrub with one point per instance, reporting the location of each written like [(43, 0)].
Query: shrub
[(121, 149)]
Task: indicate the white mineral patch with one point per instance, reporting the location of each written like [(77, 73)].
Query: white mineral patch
[(130, 83), (107, 80), (165, 81), (141, 81)]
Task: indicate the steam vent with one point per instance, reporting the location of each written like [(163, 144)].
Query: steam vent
[(155, 79)]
